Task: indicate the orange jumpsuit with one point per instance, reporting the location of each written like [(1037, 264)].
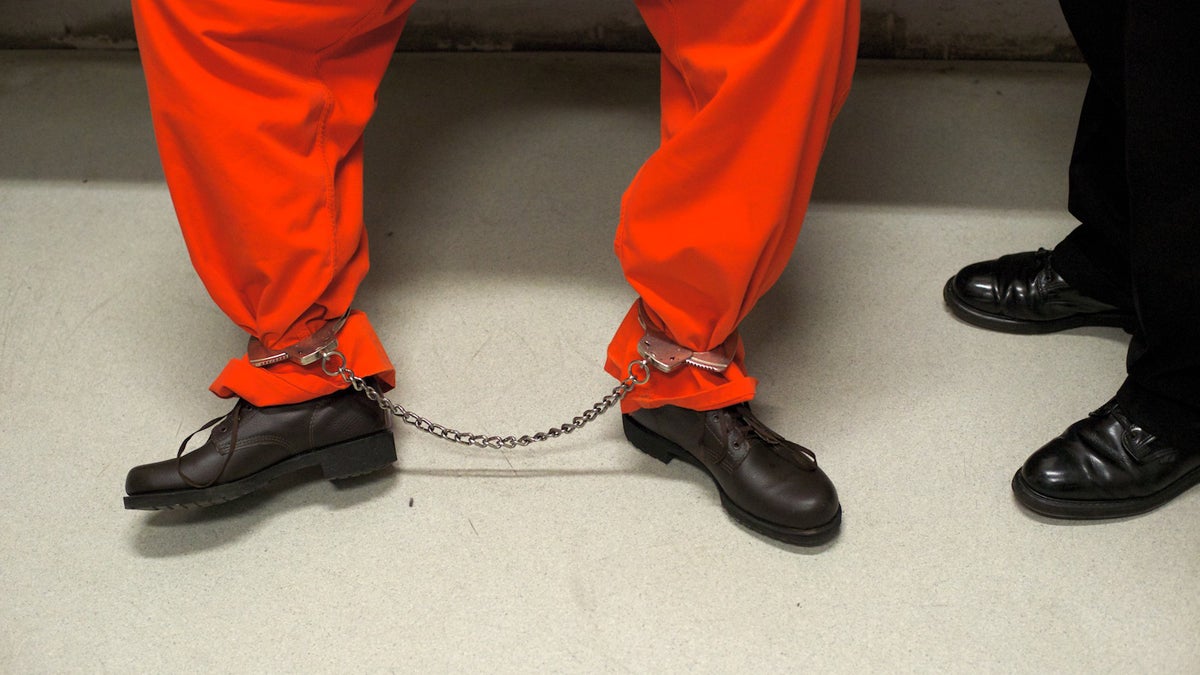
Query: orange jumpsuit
[(259, 109)]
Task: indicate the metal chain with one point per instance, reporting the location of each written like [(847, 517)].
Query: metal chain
[(602, 406)]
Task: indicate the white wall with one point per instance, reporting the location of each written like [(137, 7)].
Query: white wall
[(1020, 29)]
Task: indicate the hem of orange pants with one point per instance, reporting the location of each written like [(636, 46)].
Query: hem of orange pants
[(287, 382)]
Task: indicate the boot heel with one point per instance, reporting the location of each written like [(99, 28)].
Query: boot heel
[(647, 441), (362, 455)]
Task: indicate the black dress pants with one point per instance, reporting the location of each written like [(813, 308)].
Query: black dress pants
[(1135, 187)]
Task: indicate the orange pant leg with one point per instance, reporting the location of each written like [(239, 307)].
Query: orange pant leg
[(750, 89), (259, 109)]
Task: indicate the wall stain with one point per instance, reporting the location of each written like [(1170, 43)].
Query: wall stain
[(112, 31), (884, 35), (452, 34)]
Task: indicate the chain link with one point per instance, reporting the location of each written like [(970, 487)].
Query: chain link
[(631, 381)]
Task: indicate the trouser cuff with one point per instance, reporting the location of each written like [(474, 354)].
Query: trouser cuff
[(288, 382), (1092, 272), (1176, 423)]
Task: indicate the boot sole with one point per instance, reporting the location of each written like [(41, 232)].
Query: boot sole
[(1076, 509), (1004, 324), (664, 451), (340, 460)]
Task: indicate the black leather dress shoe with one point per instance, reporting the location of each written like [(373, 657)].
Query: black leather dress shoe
[(767, 483), (1021, 293), (1105, 466), (344, 433)]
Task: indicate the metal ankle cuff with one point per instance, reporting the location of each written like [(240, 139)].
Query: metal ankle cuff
[(660, 352), (305, 352)]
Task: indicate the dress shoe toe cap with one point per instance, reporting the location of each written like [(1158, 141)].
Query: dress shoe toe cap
[(1054, 473), (975, 284)]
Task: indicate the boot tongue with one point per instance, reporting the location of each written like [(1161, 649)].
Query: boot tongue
[(745, 421)]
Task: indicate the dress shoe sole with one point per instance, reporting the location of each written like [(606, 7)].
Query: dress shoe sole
[(340, 460), (664, 451), (1004, 324), (1080, 509)]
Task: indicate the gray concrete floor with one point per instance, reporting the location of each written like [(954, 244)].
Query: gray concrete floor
[(493, 185)]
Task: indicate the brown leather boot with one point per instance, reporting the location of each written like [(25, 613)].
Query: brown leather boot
[(344, 433), (767, 483)]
